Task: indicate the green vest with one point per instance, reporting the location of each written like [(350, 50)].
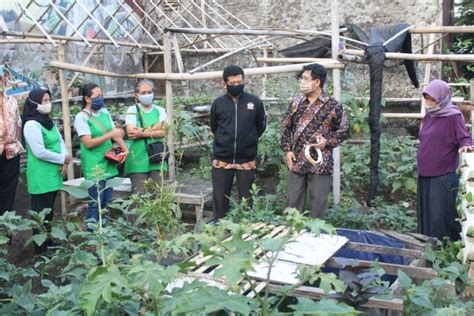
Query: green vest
[(95, 157), (44, 176), (137, 161)]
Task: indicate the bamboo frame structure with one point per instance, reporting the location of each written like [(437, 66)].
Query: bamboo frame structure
[(211, 15)]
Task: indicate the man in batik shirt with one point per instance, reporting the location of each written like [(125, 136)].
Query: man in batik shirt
[(313, 118), (10, 150)]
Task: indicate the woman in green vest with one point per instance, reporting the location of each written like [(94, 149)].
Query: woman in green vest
[(47, 158), (145, 125), (96, 130)]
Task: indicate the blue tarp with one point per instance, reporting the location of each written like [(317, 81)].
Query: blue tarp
[(371, 238)]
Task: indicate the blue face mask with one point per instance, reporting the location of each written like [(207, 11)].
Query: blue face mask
[(146, 99), (97, 103)]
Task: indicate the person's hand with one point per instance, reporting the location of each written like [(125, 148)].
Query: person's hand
[(124, 156), (290, 158), (116, 133), (67, 159), (321, 144), (64, 169), (133, 132), (465, 149)]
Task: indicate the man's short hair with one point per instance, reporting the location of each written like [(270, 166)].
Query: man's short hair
[(232, 70), (317, 72)]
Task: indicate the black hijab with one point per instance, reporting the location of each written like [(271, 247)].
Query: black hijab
[(31, 104)]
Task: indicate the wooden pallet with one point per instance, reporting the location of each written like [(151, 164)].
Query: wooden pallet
[(415, 269)]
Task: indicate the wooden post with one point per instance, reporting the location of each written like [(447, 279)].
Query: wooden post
[(146, 63), (65, 108), (336, 81), (169, 104), (427, 73), (204, 21), (472, 108), (264, 80)]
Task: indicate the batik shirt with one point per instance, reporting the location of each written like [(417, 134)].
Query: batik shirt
[(302, 124), (10, 122)]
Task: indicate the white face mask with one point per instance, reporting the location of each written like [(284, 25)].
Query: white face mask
[(306, 87), (44, 108)]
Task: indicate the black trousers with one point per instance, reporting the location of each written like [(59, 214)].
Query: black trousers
[(38, 203), (45, 200), (222, 180), (9, 172)]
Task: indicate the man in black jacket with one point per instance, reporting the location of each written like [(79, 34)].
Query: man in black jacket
[(237, 121)]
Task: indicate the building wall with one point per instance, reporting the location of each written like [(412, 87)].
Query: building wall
[(316, 15)]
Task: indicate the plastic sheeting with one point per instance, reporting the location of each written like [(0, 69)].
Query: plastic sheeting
[(371, 238)]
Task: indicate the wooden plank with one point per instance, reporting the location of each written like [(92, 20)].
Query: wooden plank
[(395, 304), (273, 233), (405, 238), (389, 268), (305, 249), (312, 250), (409, 253)]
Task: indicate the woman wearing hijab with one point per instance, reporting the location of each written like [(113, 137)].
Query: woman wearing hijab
[(96, 130), (47, 158), (443, 136)]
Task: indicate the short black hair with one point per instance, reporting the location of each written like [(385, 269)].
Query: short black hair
[(232, 70), (317, 72), (86, 91)]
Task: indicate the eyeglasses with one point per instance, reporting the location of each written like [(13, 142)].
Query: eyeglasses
[(306, 79)]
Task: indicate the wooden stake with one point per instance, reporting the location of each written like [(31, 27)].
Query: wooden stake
[(169, 105), (420, 57), (336, 81), (86, 60), (65, 108), (331, 64)]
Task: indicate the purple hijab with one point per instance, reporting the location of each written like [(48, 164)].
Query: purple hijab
[(439, 90)]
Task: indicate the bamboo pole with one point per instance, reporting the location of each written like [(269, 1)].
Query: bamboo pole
[(426, 79), (421, 57), (203, 50), (180, 64), (472, 108), (442, 29), (265, 77), (24, 41), (86, 60), (336, 81), (277, 60), (169, 106), (186, 76), (73, 39), (403, 115), (65, 108)]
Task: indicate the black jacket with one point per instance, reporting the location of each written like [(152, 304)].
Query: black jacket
[(237, 127)]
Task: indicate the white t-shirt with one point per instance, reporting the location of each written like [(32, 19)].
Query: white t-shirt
[(131, 116), (81, 125)]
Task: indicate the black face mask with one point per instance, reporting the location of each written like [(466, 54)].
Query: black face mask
[(235, 91)]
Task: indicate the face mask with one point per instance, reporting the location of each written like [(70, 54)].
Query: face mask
[(306, 87), (146, 99), (44, 108), (433, 108), (235, 91), (97, 103)]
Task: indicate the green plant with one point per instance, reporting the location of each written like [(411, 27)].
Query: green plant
[(397, 167), (157, 207), (434, 297)]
